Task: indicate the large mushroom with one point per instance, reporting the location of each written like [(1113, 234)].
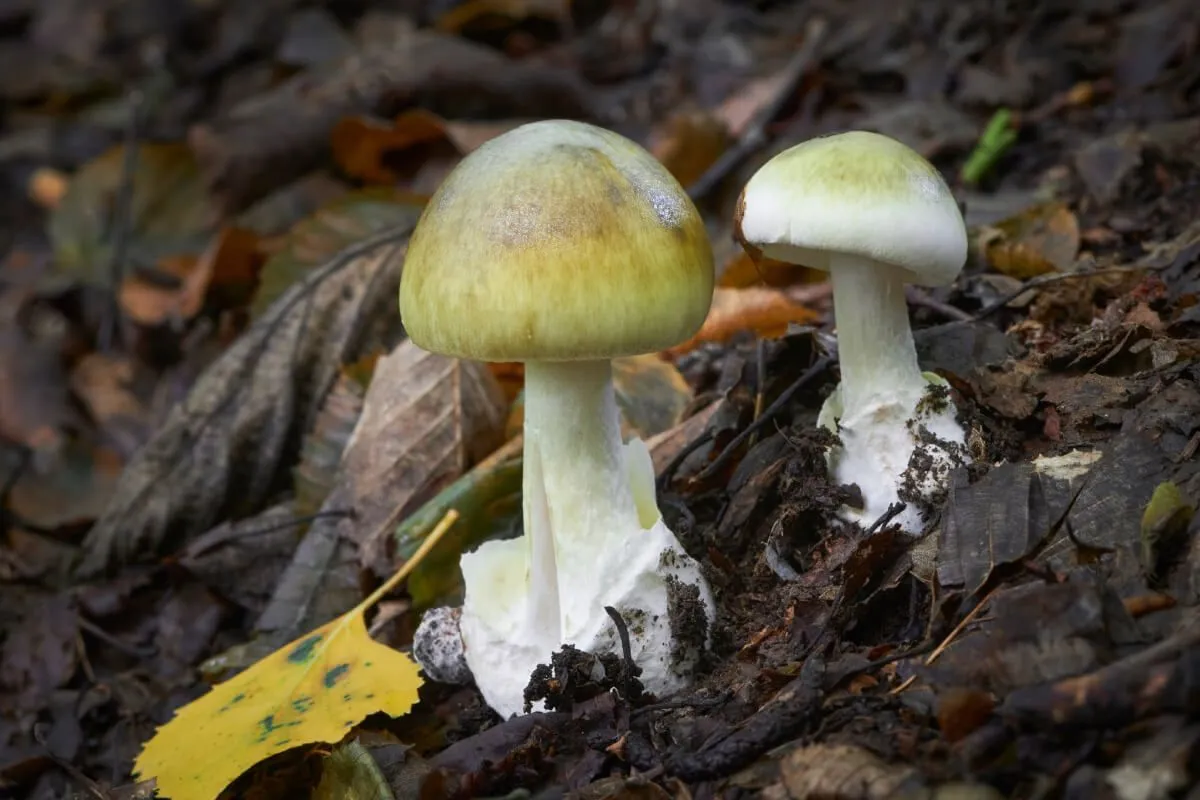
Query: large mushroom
[(876, 216), (564, 245)]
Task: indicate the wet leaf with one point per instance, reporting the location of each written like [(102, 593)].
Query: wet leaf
[(370, 149), (221, 452), (171, 213), (765, 312), (1039, 240), (314, 689), (339, 224), (350, 773)]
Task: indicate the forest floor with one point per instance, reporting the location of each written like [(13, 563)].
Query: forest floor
[(203, 210)]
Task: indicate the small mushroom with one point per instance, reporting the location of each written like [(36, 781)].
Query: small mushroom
[(564, 245), (876, 216)]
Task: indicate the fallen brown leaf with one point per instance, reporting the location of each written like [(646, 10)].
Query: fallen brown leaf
[(220, 452), (1039, 240), (766, 312), (425, 419)]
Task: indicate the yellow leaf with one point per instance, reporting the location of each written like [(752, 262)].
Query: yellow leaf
[(313, 689)]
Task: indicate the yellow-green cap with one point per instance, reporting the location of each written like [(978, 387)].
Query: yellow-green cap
[(859, 193), (556, 241)]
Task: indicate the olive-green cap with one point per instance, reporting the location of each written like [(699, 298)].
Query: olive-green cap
[(858, 193), (556, 241)]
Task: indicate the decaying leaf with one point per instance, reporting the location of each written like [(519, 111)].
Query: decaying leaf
[(170, 211), (314, 689), (1041, 239), (321, 454), (222, 451), (844, 771), (426, 418)]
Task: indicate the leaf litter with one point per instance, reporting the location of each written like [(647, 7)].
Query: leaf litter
[(213, 438)]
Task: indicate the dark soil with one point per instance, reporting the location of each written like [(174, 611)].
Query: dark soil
[(1042, 640)]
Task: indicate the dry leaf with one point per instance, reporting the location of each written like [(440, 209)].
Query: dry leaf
[(764, 311), (221, 452), (1039, 240), (426, 418)]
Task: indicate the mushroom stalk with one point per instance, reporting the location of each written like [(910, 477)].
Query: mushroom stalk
[(875, 345), (577, 496)]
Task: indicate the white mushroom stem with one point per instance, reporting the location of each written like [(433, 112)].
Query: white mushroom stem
[(577, 497), (875, 344)]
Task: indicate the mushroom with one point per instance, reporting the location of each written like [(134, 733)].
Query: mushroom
[(564, 246), (875, 215)]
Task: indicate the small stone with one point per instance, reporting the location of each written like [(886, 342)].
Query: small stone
[(438, 646)]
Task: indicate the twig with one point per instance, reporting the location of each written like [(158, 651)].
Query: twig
[(112, 641), (755, 134), (668, 472), (784, 398), (941, 648), (919, 297), (111, 331), (631, 669)]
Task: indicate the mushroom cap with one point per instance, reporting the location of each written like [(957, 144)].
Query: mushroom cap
[(857, 193), (556, 241)]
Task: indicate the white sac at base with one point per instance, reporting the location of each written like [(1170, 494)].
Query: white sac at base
[(642, 576), (877, 450)]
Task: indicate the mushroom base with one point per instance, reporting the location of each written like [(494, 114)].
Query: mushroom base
[(647, 578), (896, 452)]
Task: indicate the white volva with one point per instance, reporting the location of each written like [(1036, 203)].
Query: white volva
[(876, 216)]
